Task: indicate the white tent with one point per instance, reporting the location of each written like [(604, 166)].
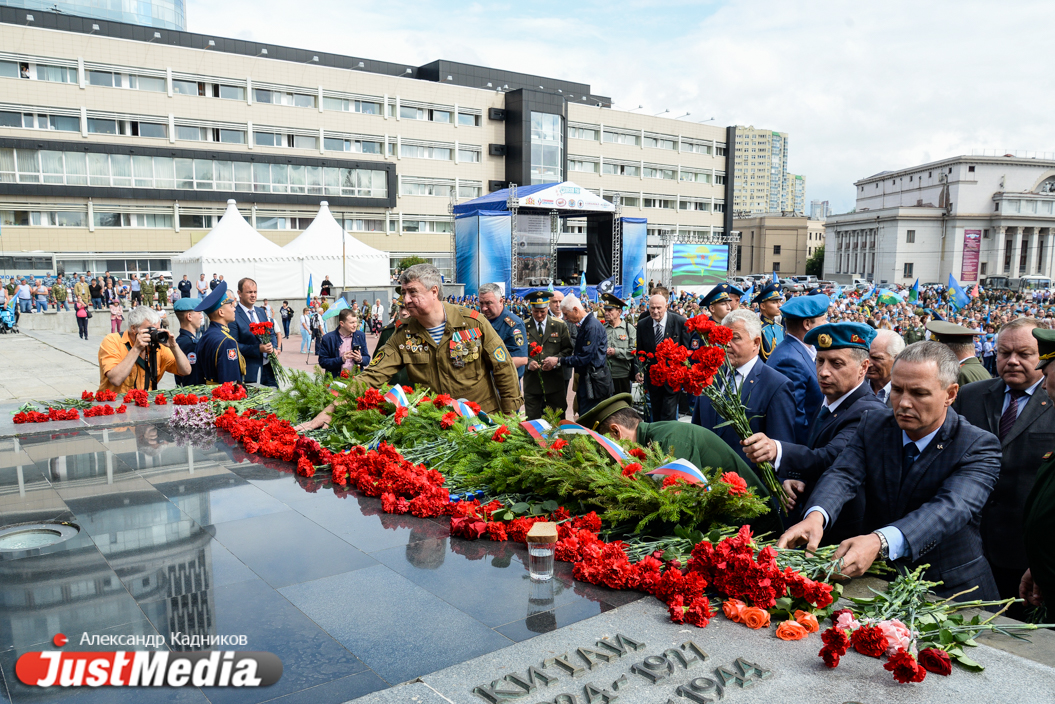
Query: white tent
[(326, 249), (233, 248)]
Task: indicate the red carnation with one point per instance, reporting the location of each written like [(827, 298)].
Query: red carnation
[(669, 481), (558, 444), (500, 434), (831, 656), (473, 406), (631, 469), (836, 639), (676, 609), (737, 485), (122, 409), (87, 396), (442, 400), (401, 413), (936, 661), (497, 532), (638, 453), (448, 419), (869, 640), (905, 667)]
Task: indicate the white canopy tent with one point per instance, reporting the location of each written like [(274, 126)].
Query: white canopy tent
[(326, 249), (233, 248)]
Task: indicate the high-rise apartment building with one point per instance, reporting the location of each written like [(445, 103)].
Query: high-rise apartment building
[(120, 148), (760, 171), (162, 14), (794, 194), (819, 210)]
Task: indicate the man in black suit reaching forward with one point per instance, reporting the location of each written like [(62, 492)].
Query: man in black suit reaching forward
[(661, 324), (925, 472)]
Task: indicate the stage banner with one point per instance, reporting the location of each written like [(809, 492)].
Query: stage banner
[(700, 264), (533, 247), (972, 245), (483, 250), (635, 241)]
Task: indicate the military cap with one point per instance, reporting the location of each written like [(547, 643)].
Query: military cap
[(806, 306), (538, 299), (184, 304), (716, 295), (214, 300), (604, 410), (837, 336), (1045, 345), (769, 293), (944, 331), (611, 301)]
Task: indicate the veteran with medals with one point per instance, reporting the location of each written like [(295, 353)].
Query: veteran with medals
[(507, 324), (450, 349), (217, 352), (545, 389)]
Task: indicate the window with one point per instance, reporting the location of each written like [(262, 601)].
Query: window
[(467, 120), (101, 78), (195, 221), (10, 119), (184, 87), (427, 189), (663, 203), (228, 92), (909, 266), (303, 142), (468, 155), (660, 143), (56, 74), (621, 169), (585, 166), (364, 225), (970, 169), (693, 205), (695, 176), (985, 234), (430, 114), (910, 236), (996, 206), (696, 147), (189, 134), (547, 148), (719, 180), (232, 136), (653, 172), (776, 266), (426, 226), (366, 107), (98, 126), (622, 138), (275, 97), (358, 146), (150, 129), (412, 151), (776, 249), (582, 133), (984, 267), (468, 191), (148, 83), (106, 219)]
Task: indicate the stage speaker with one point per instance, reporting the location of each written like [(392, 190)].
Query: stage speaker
[(598, 247), (496, 149), (496, 114), (493, 186)]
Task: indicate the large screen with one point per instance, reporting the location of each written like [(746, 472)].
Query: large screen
[(700, 264), (532, 248)]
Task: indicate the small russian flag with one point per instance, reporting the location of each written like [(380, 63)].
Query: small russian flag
[(396, 396), (538, 429), (461, 407), (613, 448), (682, 469)]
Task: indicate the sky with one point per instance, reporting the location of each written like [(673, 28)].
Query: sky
[(859, 88)]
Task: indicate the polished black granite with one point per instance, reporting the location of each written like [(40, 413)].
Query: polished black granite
[(205, 539)]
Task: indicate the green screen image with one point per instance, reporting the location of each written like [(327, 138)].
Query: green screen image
[(700, 264)]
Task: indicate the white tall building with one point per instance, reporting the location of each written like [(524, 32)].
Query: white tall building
[(969, 216)]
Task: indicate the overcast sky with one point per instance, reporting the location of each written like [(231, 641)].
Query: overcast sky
[(859, 88)]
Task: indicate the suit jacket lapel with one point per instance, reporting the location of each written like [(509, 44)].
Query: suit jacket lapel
[(1037, 405), (748, 386), (919, 467), (994, 403)]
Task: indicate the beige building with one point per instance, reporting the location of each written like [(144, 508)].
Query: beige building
[(120, 145), (774, 242)]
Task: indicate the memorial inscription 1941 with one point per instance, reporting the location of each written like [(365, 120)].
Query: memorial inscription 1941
[(554, 680)]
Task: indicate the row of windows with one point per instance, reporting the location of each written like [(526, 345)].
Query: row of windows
[(442, 190), (593, 134), (123, 170), (634, 170)]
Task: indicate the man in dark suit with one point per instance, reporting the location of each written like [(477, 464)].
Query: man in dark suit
[(589, 358), (795, 359), (1016, 408), (545, 389), (925, 472), (345, 347), (662, 324), (842, 359), (766, 393), (257, 367), (885, 347)]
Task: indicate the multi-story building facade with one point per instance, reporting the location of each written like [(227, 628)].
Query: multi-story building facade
[(761, 171), (775, 242), (969, 216), (794, 194), (819, 209), (119, 149), (162, 14)]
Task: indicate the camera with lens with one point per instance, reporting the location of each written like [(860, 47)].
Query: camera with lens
[(158, 337)]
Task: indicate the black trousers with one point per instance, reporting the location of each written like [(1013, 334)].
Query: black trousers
[(82, 327), (137, 298), (664, 403), (534, 403), (622, 386)]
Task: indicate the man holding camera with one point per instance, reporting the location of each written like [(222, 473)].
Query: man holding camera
[(345, 347), (140, 356)]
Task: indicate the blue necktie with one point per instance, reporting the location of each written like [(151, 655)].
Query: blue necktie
[(909, 453), (822, 417)]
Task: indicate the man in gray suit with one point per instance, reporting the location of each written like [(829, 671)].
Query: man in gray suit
[(926, 474), (1016, 408), (885, 347)]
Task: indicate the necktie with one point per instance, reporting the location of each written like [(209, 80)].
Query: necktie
[(541, 329), (815, 428), (252, 315), (909, 453), (1011, 414), (659, 333)]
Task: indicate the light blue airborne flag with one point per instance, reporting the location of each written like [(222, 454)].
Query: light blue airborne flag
[(748, 294), (550, 287), (582, 284), (776, 280), (639, 284), (308, 301), (959, 298)]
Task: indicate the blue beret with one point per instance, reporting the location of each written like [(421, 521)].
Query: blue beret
[(214, 300), (806, 306), (770, 292), (716, 295), (185, 304), (837, 336)]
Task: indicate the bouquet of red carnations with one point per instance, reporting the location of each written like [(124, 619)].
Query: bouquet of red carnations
[(263, 332)]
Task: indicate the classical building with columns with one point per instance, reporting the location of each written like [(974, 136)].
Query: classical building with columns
[(969, 216)]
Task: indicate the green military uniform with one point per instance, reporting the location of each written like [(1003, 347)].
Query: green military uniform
[(469, 362), (80, 290), (147, 289), (551, 390), (971, 369), (1039, 526), (401, 376), (163, 292), (913, 334), (58, 292), (623, 339)]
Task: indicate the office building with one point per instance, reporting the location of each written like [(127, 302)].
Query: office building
[(775, 242), (969, 216), (160, 14), (119, 149), (761, 171), (819, 209)]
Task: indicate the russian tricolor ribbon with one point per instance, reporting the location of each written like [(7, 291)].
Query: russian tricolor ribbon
[(396, 396), (538, 429), (681, 469), (611, 446), (461, 407)]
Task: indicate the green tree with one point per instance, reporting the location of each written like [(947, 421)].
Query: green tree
[(407, 262), (815, 264)]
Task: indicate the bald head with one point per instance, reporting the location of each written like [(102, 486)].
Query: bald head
[(657, 307)]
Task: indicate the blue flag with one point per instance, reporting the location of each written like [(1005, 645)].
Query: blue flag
[(550, 287), (308, 301), (748, 294), (837, 293), (639, 283), (913, 294), (958, 297), (776, 280), (582, 283)]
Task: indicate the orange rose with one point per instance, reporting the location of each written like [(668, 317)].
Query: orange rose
[(808, 621), (754, 617), (734, 610), (791, 630)]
